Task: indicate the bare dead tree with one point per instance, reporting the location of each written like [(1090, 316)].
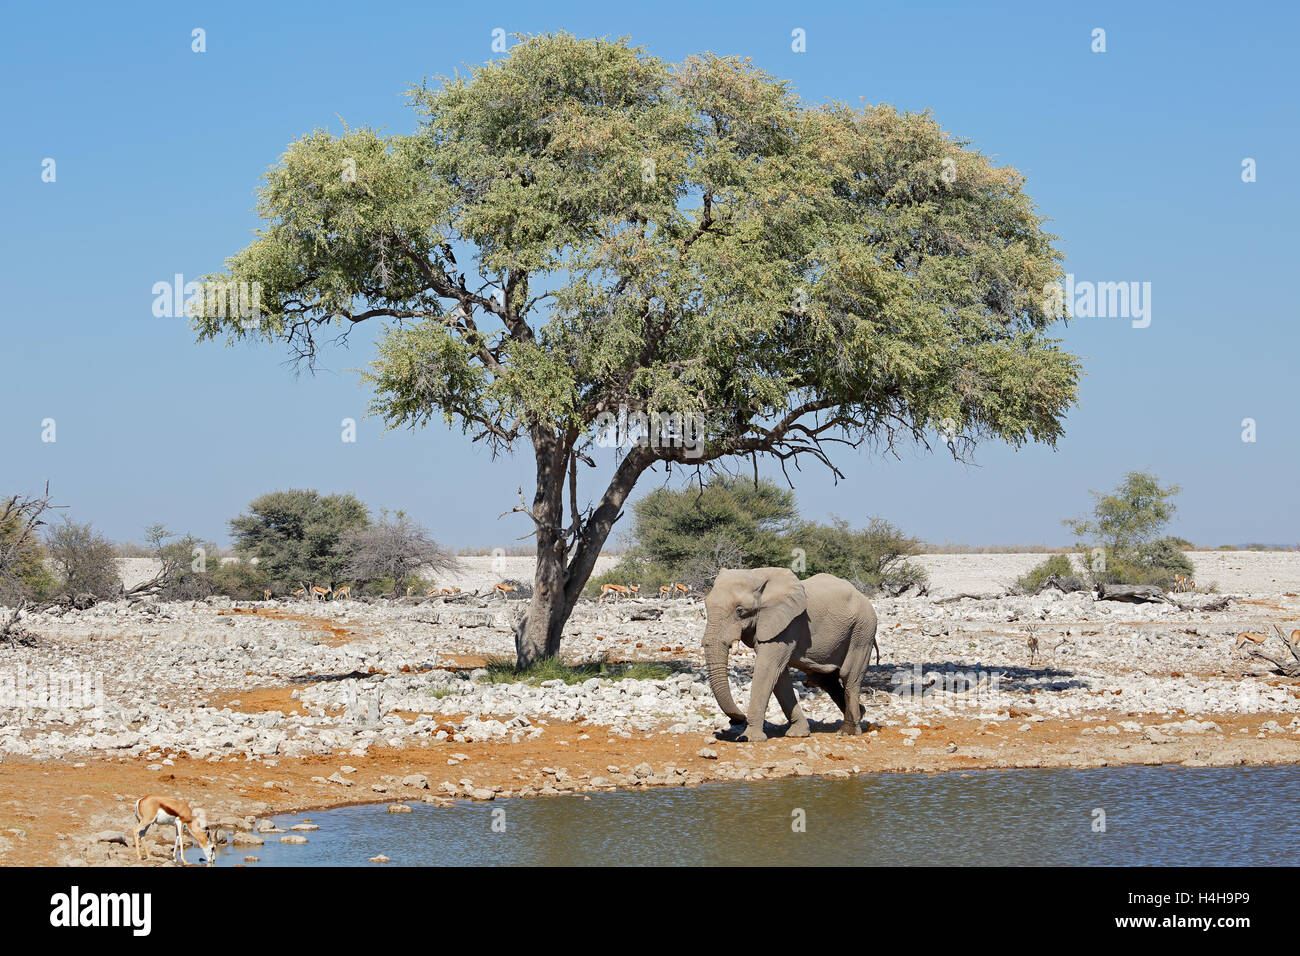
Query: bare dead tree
[(394, 547)]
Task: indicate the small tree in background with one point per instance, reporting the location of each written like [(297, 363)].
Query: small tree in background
[(297, 535), (85, 561), (690, 534), (393, 549), (745, 517), (1121, 539)]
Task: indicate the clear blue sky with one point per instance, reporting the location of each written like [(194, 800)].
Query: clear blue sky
[(1135, 154)]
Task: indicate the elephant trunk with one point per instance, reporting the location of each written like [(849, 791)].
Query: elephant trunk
[(716, 652)]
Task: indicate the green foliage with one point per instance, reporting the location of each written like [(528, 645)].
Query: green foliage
[(1127, 517), (698, 195), (1152, 562), (1120, 539), (84, 560), (690, 534), (1058, 566), (24, 574), (395, 587), (503, 670), (873, 558), (239, 580), (297, 536)]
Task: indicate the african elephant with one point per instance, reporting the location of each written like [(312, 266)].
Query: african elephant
[(823, 626)]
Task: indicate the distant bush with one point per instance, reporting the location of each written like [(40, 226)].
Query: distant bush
[(873, 559), (238, 580), (412, 584), (1154, 562), (688, 535), (1057, 566), (297, 535), (84, 561)]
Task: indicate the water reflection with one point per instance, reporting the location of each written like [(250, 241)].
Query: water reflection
[(1151, 815)]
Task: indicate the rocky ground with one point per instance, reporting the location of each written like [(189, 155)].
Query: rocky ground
[(248, 709)]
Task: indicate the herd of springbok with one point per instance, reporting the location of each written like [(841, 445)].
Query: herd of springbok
[(634, 590)]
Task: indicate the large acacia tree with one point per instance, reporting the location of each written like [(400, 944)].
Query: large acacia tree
[(580, 226)]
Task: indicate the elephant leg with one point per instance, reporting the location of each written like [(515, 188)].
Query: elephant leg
[(831, 684), (789, 701), (769, 664), (854, 669)]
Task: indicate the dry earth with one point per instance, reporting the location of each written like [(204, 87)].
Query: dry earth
[(252, 709)]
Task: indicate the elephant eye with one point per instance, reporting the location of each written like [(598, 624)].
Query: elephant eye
[(740, 610)]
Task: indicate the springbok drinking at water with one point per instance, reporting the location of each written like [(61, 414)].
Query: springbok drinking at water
[(172, 810)]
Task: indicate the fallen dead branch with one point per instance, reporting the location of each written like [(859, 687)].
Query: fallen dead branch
[(1249, 646)]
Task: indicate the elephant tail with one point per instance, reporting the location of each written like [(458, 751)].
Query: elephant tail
[(876, 644)]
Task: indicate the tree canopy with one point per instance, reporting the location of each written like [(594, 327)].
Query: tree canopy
[(580, 227)]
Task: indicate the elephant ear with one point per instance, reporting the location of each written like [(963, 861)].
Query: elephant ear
[(781, 599)]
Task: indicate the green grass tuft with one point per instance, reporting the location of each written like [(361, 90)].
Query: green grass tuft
[(503, 670)]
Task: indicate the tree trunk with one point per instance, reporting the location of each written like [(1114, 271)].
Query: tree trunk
[(538, 634), (557, 586)]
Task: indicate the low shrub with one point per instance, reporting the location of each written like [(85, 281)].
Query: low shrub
[(873, 559), (84, 561), (1058, 566)]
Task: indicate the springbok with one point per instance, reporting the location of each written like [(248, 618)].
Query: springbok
[(665, 590), (682, 588), (300, 593), (319, 592), (345, 591), (1032, 642), (1183, 582), (618, 590), (1245, 636), (504, 590), (171, 810), (634, 588), (266, 594)]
